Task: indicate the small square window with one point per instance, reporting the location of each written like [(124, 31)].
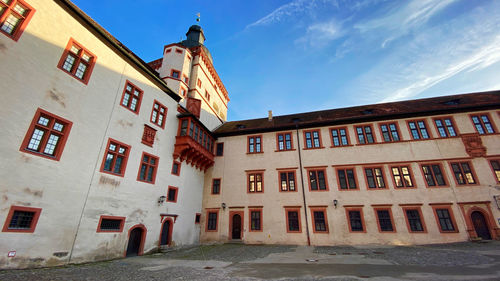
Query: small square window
[(110, 224), (131, 97), (77, 61), (176, 74), (198, 83), (115, 158), (172, 194), (21, 219), (185, 79), (176, 168), (148, 168)]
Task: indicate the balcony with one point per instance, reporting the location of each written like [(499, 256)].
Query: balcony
[(194, 143)]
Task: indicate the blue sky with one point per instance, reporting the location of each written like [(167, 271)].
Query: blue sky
[(306, 55)]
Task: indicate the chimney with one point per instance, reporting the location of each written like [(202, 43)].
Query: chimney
[(270, 117)]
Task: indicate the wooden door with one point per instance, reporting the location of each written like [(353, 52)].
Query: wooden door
[(480, 225)]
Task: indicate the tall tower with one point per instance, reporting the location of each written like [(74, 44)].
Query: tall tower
[(188, 69)]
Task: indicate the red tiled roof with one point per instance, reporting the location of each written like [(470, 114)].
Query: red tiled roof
[(364, 113)]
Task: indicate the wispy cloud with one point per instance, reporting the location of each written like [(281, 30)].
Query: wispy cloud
[(284, 11), (320, 34)]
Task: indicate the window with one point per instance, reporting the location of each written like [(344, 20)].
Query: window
[(212, 220), (148, 167), (445, 127), (418, 129), (14, 17), (389, 132), (148, 136), (115, 158), (255, 144), (365, 134), (414, 219), (495, 165), (198, 83), (77, 61), (168, 50), (463, 173), (255, 219), (355, 219), (159, 114), (320, 220), (433, 175), (183, 92), (293, 220), (255, 182), (179, 51), (216, 186), (287, 180), (482, 124), (197, 218), (312, 139), (346, 178), (402, 176), (46, 135), (339, 137), (317, 180), (131, 98), (219, 150), (110, 224), (21, 219), (375, 178), (185, 79), (176, 168), (284, 141), (175, 74), (445, 218), (384, 219), (172, 194), (207, 95)]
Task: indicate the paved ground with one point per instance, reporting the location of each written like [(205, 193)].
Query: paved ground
[(461, 261)]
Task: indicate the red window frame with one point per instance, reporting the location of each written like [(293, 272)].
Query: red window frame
[(129, 93), (255, 174), (339, 137), (213, 186), (314, 145), (148, 165), (207, 95), (293, 209), (78, 59), (221, 150), (363, 135), (284, 141), (421, 217), (433, 175), (183, 91), (21, 25), (287, 174), (34, 220), (348, 183), (481, 123), (185, 79), (435, 208), (322, 210), (159, 114), (172, 71), (463, 173), (391, 217), (445, 131), (495, 170), (390, 132), (173, 188), (315, 171), (178, 168), (252, 143), (419, 131), (179, 51), (42, 141), (375, 177), (216, 212), (355, 209), (402, 175), (122, 223), (198, 82), (115, 154), (250, 210)]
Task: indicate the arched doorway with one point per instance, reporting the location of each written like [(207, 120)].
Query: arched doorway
[(480, 225), (136, 237), (236, 231), (166, 232)]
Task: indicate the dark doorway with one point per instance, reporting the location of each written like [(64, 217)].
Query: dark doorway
[(165, 233), (480, 225), (236, 233), (134, 242)]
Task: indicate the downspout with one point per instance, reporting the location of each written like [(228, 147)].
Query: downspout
[(302, 181)]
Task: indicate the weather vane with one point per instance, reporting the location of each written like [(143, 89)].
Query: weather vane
[(198, 17)]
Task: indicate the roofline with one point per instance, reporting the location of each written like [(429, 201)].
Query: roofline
[(357, 119), (119, 47)]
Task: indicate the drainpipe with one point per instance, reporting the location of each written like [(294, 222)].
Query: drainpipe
[(302, 181)]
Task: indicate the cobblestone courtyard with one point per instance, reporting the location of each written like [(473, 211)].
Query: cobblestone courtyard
[(460, 261)]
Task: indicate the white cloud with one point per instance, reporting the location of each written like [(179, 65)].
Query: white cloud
[(320, 34), (284, 11)]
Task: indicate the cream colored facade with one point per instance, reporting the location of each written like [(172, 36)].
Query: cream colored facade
[(236, 163)]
